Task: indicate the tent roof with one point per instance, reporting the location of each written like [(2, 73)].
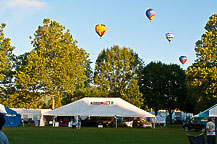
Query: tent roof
[(210, 112), (4, 109), (100, 107)]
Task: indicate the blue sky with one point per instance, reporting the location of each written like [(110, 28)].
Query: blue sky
[(126, 24)]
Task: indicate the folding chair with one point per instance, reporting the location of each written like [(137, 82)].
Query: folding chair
[(196, 139)]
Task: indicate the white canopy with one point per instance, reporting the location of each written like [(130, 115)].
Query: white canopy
[(210, 112), (108, 107)]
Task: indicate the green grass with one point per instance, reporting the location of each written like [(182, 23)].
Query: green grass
[(92, 135)]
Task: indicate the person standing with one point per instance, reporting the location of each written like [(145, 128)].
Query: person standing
[(3, 137), (210, 131), (79, 122)]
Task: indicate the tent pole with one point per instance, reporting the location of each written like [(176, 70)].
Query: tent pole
[(54, 120), (22, 122), (154, 122), (116, 123)]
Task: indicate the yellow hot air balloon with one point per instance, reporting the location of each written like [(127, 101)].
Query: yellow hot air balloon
[(100, 29)]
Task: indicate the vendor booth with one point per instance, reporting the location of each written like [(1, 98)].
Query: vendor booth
[(210, 112), (29, 115), (12, 118), (104, 107)]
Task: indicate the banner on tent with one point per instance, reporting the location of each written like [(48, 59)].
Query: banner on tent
[(13, 115), (102, 103)]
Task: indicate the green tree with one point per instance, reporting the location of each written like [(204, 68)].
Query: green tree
[(89, 74), (55, 67), (81, 93), (174, 89), (6, 65), (116, 74), (16, 98), (202, 75), (152, 85), (8, 84), (163, 87)]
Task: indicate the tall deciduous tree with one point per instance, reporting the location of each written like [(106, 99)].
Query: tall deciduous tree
[(55, 66), (152, 85), (6, 65), (163, 86), (80, 93), (174, 89), (202, 75), (116, 74)]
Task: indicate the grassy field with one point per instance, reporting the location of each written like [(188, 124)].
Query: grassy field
[(91, 135)]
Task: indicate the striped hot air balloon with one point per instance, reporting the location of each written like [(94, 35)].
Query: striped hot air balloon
[(169, 36)]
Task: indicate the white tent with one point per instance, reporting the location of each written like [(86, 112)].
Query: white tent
[(100, 107), (34, 114), (210, 112), (108, 107), (2, 109)]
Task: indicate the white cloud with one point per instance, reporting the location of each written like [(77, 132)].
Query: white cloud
[(24, 4), (22, 7), (19, 9)]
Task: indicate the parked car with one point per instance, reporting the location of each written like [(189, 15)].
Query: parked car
[(141, 123), (196, 124), (95, 121), (178, 120)]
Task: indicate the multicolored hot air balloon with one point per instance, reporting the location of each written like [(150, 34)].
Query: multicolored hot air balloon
[(183, 59), (100, 29), (169, 36), (150, 13)]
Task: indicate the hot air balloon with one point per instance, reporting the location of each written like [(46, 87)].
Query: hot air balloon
[(150, 13), (169, 36), (100, 29), (183, 59)]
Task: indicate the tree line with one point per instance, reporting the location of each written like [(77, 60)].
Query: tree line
[(57, 72)]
